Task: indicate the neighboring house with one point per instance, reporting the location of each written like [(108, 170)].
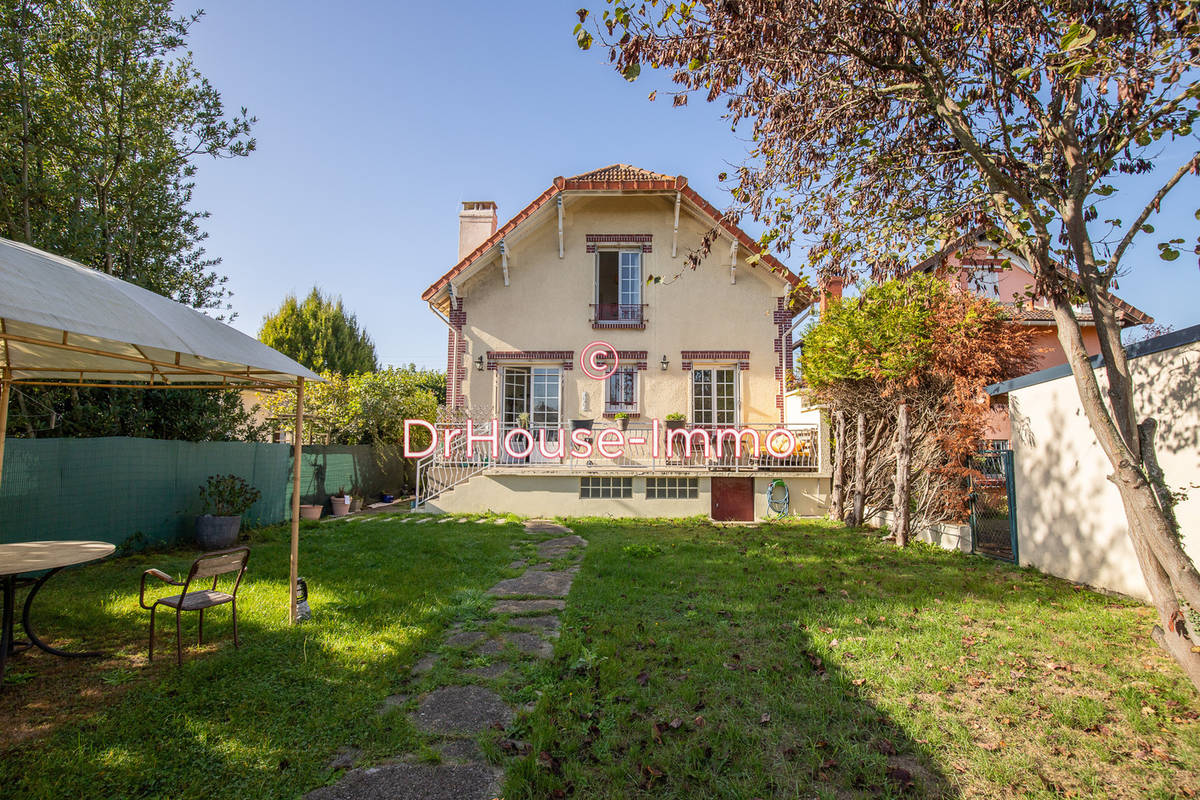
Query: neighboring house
[(972, 263), (525, 300)]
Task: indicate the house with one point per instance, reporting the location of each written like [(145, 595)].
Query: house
[(568, 282), (971, 261)]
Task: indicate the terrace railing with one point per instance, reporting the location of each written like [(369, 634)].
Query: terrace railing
[(438, 473)]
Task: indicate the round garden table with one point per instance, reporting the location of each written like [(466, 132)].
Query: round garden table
[(21, 558)]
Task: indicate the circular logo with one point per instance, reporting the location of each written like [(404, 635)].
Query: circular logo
[(592, 358)]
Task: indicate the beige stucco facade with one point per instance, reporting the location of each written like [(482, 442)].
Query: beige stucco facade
[(1070, 520), (547, 307), (558, 495), (521, 311)]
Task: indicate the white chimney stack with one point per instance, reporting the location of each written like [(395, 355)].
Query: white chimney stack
[(476, 222)]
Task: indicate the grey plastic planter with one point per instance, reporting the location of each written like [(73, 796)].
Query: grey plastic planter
[(217, 533)]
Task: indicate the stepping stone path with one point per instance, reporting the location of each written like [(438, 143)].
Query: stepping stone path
[(459, 710)]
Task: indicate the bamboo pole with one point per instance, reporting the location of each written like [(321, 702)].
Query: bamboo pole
[(5, 385), (903, 465), (297, 451), (860, 470), (837, 501)]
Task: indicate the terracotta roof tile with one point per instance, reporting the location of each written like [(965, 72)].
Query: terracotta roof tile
[(622, 172)]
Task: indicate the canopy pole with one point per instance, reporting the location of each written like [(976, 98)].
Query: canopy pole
[(5, 384), (297, 451)]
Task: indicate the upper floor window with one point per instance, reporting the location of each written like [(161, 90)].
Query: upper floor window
[(619, 287), (988, 283)]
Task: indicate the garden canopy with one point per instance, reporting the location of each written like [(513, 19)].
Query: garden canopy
[(63, 324)]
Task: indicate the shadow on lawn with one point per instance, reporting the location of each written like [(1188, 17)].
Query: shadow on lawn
[(693, 673), (264, 717)]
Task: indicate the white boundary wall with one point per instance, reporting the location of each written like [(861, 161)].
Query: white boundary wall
[(1070, 520)]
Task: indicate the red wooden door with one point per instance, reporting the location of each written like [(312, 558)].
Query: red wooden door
[(733, 499)]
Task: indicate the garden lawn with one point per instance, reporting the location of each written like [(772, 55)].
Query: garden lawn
[(261, 721), (802, 660)]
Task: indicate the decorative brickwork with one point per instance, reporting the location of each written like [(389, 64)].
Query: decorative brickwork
[(566, 358), (686, 357), (643, 239), (456, 351), (638, 357), (783, 347)]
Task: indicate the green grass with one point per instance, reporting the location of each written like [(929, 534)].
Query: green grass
[(695, 661), (261, 721), (804, 660)]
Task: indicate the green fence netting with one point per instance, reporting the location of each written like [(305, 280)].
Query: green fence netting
[(138, 493)]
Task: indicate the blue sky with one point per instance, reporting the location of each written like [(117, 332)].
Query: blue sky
[(377, 119)]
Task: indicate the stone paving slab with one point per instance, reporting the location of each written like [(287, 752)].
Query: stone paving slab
[(491, 671), (462, 709), (414, 782), (424, 664), (526, 643), (546, 624), (536, 584), (466, 638), (557, 548), (527, 606), (545, 526), (462, 751)]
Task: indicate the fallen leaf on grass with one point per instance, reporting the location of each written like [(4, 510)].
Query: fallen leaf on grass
[(643, 678), (765, 719)]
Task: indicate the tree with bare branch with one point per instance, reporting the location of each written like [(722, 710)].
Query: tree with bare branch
[(882, 130)]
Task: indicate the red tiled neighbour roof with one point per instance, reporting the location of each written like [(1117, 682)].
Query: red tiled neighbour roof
[(614, 178), (1127, 312)]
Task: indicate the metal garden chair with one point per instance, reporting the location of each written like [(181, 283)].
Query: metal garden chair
[(210, 565)]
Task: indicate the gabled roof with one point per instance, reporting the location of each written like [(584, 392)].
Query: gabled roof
[(1129, 314), (621, 178), (622, 172)]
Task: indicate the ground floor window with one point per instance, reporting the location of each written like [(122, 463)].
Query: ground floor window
[(672, 488), (604, 488)]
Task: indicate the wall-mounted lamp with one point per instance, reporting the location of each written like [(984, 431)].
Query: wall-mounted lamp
[(479, 363), (664, 363)]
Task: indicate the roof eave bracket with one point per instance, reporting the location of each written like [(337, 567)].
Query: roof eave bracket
[(733, 254), (504, 258), (675, 231), (559, 202)]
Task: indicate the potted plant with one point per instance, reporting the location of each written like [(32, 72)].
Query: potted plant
[(311, 512), (523, 420), (356, 499), (675, 421), (226, 498), (339, 504), (622, 420)]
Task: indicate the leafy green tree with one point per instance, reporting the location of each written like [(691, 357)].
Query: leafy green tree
[(103, 117), (320, 334)]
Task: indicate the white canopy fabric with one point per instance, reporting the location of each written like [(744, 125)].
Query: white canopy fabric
[(62, 322)]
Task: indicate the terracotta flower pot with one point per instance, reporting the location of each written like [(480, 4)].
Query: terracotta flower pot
[(311, 512), (340, 505), (355, 504)]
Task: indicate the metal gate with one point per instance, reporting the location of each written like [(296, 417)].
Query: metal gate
[(994, 506)]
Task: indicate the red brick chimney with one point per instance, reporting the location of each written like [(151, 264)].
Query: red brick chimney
[(831, 289)]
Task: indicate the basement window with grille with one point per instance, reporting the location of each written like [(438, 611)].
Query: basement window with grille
[(603, 488), (672, 488)]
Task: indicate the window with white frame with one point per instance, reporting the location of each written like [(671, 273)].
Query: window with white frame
[(604, 488), (672, 488), (621, 392), (988, 283), (619, 286), (714, 396)]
